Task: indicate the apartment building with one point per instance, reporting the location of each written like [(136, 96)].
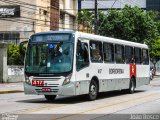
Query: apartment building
[(54, 15), (68, 12), (19, 19)]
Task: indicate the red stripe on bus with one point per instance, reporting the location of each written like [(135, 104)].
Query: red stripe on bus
[(133, 70)]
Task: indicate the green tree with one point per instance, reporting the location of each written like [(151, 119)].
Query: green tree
[(155, 51), (132, 24), (86, 19), (15, 54)]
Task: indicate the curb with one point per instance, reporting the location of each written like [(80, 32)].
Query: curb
[(10, 91), (156, 76)]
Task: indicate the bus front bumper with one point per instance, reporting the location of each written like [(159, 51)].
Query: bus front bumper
[(65, 90)]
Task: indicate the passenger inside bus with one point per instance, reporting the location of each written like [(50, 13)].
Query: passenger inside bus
[(96, 55)]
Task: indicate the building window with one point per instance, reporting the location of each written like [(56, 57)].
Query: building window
[(10, 37), (1, 36), (45, 12), (62, 20), (153, 5), (71, 22), (71, 4)]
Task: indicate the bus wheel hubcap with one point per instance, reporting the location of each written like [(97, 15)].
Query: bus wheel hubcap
[(132, 86), (93, 90)]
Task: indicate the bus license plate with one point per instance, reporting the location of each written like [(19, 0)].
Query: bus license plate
[(46, 89), (37, 82)]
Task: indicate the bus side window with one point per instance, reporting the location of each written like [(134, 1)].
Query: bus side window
[(129, 54), (82, 56), (96, 51), (137, 54), (119, 54), (108, 51), (145, 57)]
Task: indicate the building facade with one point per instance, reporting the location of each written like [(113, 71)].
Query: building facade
[(118, 4), (153, 5), (68, 13), (19, 19), (55, 15)]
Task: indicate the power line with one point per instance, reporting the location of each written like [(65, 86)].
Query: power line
[(58, 27), (37, 14), (34, 13), (96, 18), (12, 3), (135, 4), (31, 5), (110, 9), (25, 3), (38, 24)]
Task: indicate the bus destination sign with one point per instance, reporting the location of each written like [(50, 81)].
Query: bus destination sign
[(51, 37)]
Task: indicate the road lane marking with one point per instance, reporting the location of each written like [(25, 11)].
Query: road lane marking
[(102, 107), (28, 110), (55, 106), (10, 91)]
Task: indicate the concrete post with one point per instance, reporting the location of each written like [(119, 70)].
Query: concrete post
[(3, 62)]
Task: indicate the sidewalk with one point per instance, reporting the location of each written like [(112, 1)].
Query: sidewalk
[(11, 87), (157, 75)]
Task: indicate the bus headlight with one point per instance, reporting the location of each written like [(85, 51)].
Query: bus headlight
[(67, 79), (27, 80)]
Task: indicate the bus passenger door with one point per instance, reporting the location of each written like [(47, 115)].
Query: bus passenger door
[(82, 63)]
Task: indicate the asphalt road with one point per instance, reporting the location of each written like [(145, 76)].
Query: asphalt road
[(143, 104)]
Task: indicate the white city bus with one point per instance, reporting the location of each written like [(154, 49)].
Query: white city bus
[(75, 63)]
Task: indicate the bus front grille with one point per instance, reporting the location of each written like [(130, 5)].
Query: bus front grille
[(41, 91)]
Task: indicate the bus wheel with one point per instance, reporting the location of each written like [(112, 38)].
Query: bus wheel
[(93, 90), (132, 86), (50, 97)]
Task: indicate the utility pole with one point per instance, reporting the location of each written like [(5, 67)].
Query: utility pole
[(96, 18), (79, 5)]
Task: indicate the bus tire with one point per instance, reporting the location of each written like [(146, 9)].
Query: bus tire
[(93, 90), (132, 86), (50, 97)]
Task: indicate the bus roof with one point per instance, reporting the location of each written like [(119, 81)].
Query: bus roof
[(110, 40), (97, 38)]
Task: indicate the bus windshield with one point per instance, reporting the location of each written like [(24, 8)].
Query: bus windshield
[(55, 57)]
